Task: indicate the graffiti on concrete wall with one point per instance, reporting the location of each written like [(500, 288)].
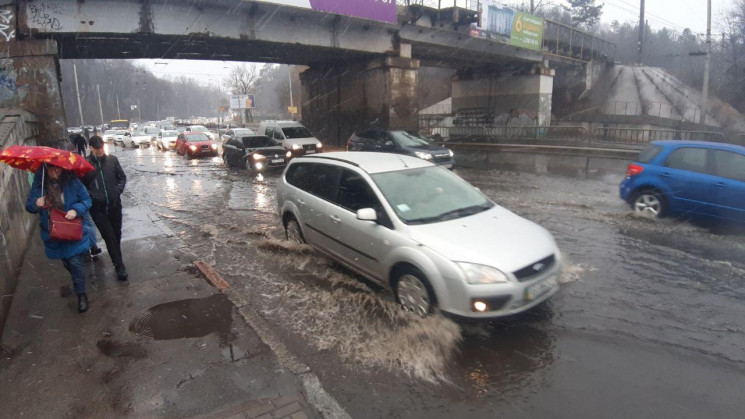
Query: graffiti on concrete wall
[(517, 118), (43, 15), (7, 25), (8, 86)]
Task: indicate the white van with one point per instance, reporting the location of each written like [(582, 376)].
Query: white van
[(292, 135)]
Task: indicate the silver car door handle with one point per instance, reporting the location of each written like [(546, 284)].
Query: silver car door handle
[(301, 202), (335, 218)]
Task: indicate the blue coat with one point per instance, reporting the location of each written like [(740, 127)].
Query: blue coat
[(77, 198)]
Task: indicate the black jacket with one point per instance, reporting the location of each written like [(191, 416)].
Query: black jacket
[(106, 183)]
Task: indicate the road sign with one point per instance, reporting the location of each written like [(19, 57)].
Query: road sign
[(292, 109), (242, 101)]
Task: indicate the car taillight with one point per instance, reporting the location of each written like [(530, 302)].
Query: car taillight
[(633, 170)]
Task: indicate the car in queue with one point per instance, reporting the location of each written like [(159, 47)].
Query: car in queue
[(255, 152), (235, 133), (292, 135), (195, 144), (120, 136), (166, 140), (140, 138), (109, 136), (200, 128), (421, 230), (400, 142), (693, 179)]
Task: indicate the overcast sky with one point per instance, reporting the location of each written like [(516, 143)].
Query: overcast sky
[(674, 14)]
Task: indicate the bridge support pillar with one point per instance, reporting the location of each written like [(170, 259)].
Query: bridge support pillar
[(339, 99), (30, 80), (515, 100)]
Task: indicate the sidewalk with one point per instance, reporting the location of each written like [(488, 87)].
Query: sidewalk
[(165, 344)]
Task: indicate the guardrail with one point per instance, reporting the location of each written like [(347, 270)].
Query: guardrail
[(645, 136), (660, 109), (572, 134)]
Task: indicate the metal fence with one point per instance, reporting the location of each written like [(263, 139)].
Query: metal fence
[(660, 109), (646, 136)]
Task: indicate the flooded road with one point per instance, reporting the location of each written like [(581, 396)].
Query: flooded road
[(649, 320)]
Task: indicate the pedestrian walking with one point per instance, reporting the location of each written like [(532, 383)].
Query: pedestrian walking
[(105, 185), (80, 143), (62, 190)]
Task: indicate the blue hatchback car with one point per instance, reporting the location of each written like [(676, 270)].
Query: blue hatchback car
[(691, 178)]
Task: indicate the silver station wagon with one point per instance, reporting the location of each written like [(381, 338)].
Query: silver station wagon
[(434, 239)]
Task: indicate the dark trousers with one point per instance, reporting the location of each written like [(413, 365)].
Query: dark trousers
[(76, 266), (109, 224)]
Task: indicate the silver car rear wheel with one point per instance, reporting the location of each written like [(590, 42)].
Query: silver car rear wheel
[(649, 204), (413, 295), (293, 233)]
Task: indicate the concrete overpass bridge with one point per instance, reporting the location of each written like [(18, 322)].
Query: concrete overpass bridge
[(361, 70)]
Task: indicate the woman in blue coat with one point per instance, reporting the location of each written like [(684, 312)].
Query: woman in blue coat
[(64, 191)]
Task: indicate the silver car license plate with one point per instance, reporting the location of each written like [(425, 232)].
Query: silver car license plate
[(310, 151), (536, 290), (277, 160)]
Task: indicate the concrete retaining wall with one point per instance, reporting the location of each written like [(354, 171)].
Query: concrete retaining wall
[(583, 162), (17, 127)]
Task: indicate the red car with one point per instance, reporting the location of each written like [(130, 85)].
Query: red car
[(195, 144)]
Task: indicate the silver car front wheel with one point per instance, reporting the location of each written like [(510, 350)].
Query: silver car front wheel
[(413, 294)]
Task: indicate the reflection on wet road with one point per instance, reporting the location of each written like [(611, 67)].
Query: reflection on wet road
[(649, 320)]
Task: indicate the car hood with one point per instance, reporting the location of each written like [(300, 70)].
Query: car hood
[(270, 150), (496, 237), (308, 140), (169, 138), (200, 143), (432, 149)]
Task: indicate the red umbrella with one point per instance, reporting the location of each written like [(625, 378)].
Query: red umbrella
[(32, 157)]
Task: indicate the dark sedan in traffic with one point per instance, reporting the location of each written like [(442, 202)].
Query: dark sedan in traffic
[(400, 142), (255, 153)]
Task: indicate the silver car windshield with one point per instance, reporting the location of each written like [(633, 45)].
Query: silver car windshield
[(429, 195)]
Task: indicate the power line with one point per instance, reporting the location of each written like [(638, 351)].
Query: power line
[(634, 11)]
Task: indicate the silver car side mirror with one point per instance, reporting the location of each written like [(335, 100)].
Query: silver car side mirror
[(367, 214)]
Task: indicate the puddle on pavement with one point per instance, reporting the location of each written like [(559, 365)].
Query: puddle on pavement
[(114, 349), (191, 318)]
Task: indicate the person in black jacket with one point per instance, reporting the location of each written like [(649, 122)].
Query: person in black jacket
[(80, 143), (105, 186)]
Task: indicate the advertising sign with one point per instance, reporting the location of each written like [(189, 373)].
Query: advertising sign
[(505, 24), (380, 10), (242, 102)]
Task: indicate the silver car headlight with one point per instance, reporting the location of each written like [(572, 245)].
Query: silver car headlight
[(451, 152), (425, 156), (482, 274), (297, 147)]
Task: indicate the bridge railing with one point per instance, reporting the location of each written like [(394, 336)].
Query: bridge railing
[(558, 39), (660, 109)]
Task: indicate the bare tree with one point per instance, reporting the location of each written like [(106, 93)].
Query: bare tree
[(242, 81)]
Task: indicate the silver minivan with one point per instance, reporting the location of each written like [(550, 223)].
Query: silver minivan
[(434, 239)]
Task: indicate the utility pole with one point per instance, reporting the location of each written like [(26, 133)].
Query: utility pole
[(642, 29), (289, 77), (532, 7), (705, 95), (139, 110), (77, 91), (100, 108), (118, 112)]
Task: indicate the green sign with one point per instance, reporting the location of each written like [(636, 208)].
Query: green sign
[(527, 31)]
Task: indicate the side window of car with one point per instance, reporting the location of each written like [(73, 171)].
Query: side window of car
[(325, 181), (269, 132), (355, 193), (729, 164), (299, 176), (689, 158)]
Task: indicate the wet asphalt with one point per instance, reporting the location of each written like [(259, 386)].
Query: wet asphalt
[(648, 322)]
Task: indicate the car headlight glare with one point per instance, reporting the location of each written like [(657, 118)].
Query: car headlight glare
[(425, 156), (319, 145), (297, 147), (482, 274), (257, 156), (193, 148), (451, 153), (288, 154), (214, 146)]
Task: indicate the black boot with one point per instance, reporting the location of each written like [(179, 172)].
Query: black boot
[(95, 250), (82, 303), (121, 273)]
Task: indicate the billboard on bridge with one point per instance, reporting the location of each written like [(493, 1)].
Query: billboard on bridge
[(508, 25), (380, 10)]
